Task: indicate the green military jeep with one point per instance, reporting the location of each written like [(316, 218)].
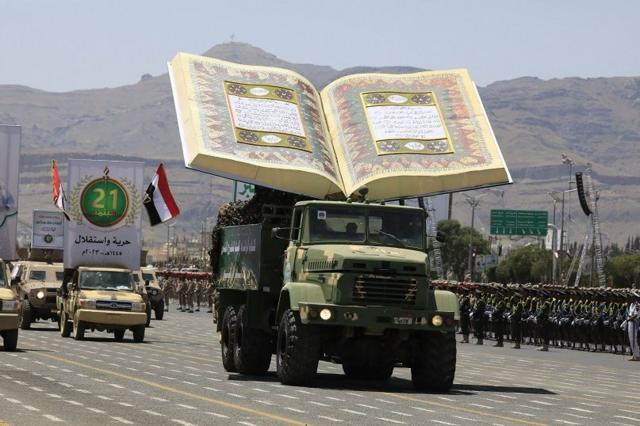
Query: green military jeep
[(346, 283)]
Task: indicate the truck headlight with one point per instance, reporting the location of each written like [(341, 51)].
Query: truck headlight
[(139, 307), (11, 305), (326, 314), (436, 320), (86, 304), (40, 295)]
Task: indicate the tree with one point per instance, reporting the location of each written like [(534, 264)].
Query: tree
[(524, 265), (624, 270), (455, 248)]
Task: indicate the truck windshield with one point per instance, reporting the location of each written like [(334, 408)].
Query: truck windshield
[(37, 275), (378, 226), (147, 277), (105, 280)]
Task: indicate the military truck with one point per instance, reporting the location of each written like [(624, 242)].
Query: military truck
[(156, 294), (37, 287), (9, 310), (102, 299), (140, 288), (345, 282)]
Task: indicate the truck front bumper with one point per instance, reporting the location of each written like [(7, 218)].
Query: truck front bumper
[(114, 318), (8, 321), (379, 317)]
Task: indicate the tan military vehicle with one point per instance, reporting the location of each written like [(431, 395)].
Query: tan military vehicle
[(156, 294), (9, 310), (142, 291), (36, 288), (102, 299)]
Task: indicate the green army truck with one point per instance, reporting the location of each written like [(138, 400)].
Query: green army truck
[(344, 282)]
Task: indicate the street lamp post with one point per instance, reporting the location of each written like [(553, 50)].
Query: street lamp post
[(473, 202)]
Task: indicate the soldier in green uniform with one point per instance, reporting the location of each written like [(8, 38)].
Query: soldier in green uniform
[(542, 320), (465, 311), (517, 308), (478, 319), (497, 317)]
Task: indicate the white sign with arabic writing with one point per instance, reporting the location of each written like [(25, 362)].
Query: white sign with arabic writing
[(104, 200), (47, 230), (10, 137)]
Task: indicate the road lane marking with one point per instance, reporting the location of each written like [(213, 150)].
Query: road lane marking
[(463, 409), (52, 418), (177, 391), (95, 410), (392, 421), (358, 413), (331, 419), (153, 413)]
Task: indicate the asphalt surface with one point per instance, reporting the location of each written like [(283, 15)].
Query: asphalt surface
[(176, 378)]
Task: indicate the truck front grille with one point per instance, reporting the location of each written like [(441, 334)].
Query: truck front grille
[(374, 289), (113, 305)]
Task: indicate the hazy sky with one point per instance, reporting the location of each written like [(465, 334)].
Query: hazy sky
[(62, 45)]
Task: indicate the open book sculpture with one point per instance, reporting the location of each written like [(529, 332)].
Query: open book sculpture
[(401, 135)]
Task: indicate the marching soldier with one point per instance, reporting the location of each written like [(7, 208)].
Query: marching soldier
[(478, 319), (465, 311)]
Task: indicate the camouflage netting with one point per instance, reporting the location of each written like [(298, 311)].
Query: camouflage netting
[(247, 212)]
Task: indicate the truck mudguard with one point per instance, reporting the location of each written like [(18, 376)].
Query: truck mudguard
[(446, 301), (302, 292)]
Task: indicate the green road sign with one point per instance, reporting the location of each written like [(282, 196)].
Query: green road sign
[(519, 222)]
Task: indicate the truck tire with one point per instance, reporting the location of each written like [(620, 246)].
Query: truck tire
[(26, 315), (138, 333), (78, 330), (118, 335), (251, 348), (65, 326), (298, 351), (10, 340), (434, 362), (159, 310), (227, 339)]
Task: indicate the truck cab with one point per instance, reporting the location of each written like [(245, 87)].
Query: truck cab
[(9, 310), (102, 299), (351, 287), (37, 287)]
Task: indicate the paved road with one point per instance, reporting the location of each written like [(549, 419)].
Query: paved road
[(176, 378)]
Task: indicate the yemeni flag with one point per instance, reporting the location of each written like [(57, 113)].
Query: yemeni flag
[(59, 199), (158, 200)]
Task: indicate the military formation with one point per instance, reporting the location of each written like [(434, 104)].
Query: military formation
[(189, 293), (588, 319)]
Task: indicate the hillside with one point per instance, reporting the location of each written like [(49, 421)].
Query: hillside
[(592, 120)]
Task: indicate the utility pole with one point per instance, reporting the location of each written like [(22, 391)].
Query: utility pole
[(568, 161), (473, 202)]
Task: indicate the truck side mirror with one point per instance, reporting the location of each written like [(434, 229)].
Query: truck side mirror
[(281, 233), (441, 237)]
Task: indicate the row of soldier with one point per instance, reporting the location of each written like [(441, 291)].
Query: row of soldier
[(576, 318), (191, 294)]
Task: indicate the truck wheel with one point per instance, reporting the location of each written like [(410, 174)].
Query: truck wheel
[(138, 333), (227, 339), (65, 326), (434, 362), (159, 310), (10, 338), (78, 330), (25, 317), (118, 335), (298, 351), (252, 347), (148, 315)]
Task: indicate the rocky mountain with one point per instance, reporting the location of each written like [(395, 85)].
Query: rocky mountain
[(592, 120)]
